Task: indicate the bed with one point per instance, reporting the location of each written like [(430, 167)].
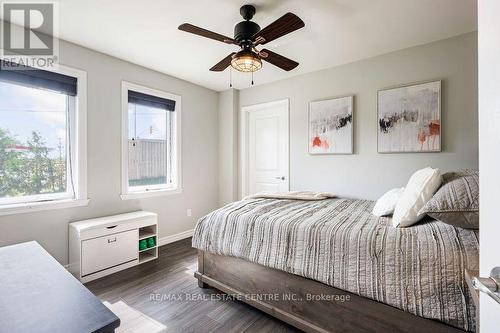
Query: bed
[(300, 260)]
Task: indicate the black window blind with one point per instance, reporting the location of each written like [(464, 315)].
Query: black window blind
[(149, 100), (38, 78)]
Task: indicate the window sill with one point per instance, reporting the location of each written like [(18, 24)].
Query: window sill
[(40, 206), (152, 193)]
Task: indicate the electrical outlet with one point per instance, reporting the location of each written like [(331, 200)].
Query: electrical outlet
[(189, 212)]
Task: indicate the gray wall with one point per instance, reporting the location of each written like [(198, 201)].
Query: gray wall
[(228, 146), (199, 155), (367, 174)]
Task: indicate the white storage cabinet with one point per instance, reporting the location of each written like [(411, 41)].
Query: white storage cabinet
[(105, 245)]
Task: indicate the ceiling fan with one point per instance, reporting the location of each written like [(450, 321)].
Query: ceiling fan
[(248, 35)]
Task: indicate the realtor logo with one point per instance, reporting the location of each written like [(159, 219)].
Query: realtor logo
[(28, 30)]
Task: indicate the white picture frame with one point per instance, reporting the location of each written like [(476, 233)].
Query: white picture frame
[(331, 126), (409, 118)]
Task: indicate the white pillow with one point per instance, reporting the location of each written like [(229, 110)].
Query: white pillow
[(386, 203), (420, 189)]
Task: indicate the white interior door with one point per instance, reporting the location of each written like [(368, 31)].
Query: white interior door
[(267, 147), (489, 157)]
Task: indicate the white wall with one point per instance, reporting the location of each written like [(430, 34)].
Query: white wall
[(228, 146), (367, 174), (199, 155), (489, 153)]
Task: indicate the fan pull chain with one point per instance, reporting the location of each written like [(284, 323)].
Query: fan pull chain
[(230, 78), (252, 78)]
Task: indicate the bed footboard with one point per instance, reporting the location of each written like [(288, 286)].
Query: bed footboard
[(199, 273), (306, 304)]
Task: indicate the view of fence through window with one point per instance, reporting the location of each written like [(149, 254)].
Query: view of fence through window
[(33, 141), (148, 142)]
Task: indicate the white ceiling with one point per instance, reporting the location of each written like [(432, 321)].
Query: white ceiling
[(336, 32)]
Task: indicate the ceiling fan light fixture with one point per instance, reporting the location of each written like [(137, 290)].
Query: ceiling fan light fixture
[(248, 35), (246, 61)]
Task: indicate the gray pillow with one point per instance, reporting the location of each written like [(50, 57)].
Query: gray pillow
[(457, 200)]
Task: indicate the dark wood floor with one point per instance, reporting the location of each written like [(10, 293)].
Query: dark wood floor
[(166, 291)]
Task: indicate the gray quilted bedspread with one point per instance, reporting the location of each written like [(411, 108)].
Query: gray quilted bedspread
[(339, 242)]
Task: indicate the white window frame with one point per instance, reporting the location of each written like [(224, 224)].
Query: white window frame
[(152, 190), (41, 202)]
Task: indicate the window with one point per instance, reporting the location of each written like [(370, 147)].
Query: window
[(41, 123), (150, 161)]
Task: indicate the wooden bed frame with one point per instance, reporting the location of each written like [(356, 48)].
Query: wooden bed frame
[(285, 296)]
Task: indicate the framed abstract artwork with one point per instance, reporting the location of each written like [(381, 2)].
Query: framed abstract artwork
[(409, 118), (331, 126)]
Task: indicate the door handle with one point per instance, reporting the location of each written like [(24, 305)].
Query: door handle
[(280, 178), (490, 285)]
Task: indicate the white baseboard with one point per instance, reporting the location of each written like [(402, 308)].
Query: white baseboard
[(174, 238)]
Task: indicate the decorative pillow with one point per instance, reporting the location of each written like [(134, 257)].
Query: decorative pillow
[(386, 203), (420, 189), (457, 201)]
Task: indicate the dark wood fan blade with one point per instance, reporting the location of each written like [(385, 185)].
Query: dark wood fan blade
[(206, 33), (223, 64), (278, 60), (282, 26)]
